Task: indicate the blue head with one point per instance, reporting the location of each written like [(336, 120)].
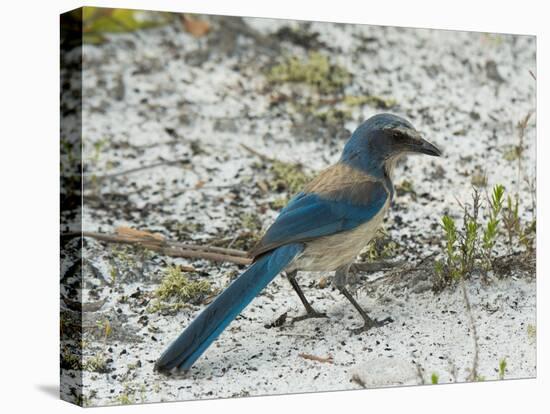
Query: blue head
[(381, 139)]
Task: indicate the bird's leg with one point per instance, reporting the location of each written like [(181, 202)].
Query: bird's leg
[(310, 312), (340, 279)]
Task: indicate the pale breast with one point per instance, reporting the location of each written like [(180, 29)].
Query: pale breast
[(331, 252)]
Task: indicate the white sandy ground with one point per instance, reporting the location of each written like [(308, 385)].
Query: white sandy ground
[(142, 89)]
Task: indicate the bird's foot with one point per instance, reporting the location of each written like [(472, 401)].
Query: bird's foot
[(373, 323), (310, 314)]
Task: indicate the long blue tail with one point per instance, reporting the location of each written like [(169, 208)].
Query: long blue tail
[(211, 322)]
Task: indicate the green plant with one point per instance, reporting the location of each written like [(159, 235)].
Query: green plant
[(468, 237), (511, 220), (124, 399), (105, 329), (491, 230), (98, 148), (435, 378), (501, 368), (472, 246), (448, 270), (479, 179), (532, 333), (97, 21), (113, 273), (512, 223), (515, 230), (451, 237)]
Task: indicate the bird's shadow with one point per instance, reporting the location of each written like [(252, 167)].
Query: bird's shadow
[(51, 390)]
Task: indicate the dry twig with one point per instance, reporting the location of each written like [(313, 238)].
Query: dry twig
[(473, 372), (357, 379), (158, 244), (258, 154), (327, 359), (99, 178)]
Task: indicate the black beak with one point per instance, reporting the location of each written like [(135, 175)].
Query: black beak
[(424, 147), (415, 143), (418, 144)]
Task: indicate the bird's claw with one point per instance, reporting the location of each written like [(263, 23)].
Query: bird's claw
[(309, 315), (372, 324)]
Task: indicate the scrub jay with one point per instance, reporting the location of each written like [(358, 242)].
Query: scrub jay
[(322, 228)]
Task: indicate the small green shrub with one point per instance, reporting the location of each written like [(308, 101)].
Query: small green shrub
[(472, 247), (491, 229), (448, 270)]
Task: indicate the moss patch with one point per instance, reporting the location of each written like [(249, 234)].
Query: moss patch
[(288, 177), (532, 333), (251, 222), (334, 116), (246, 240), (96, 363), (371, 100), (512, 153), (382, 247), (405, 187), (176, 291), (278, 203), (316, 70), (70, 360), (124, 399)]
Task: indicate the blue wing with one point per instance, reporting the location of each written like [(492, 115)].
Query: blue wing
[(311, 215)]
